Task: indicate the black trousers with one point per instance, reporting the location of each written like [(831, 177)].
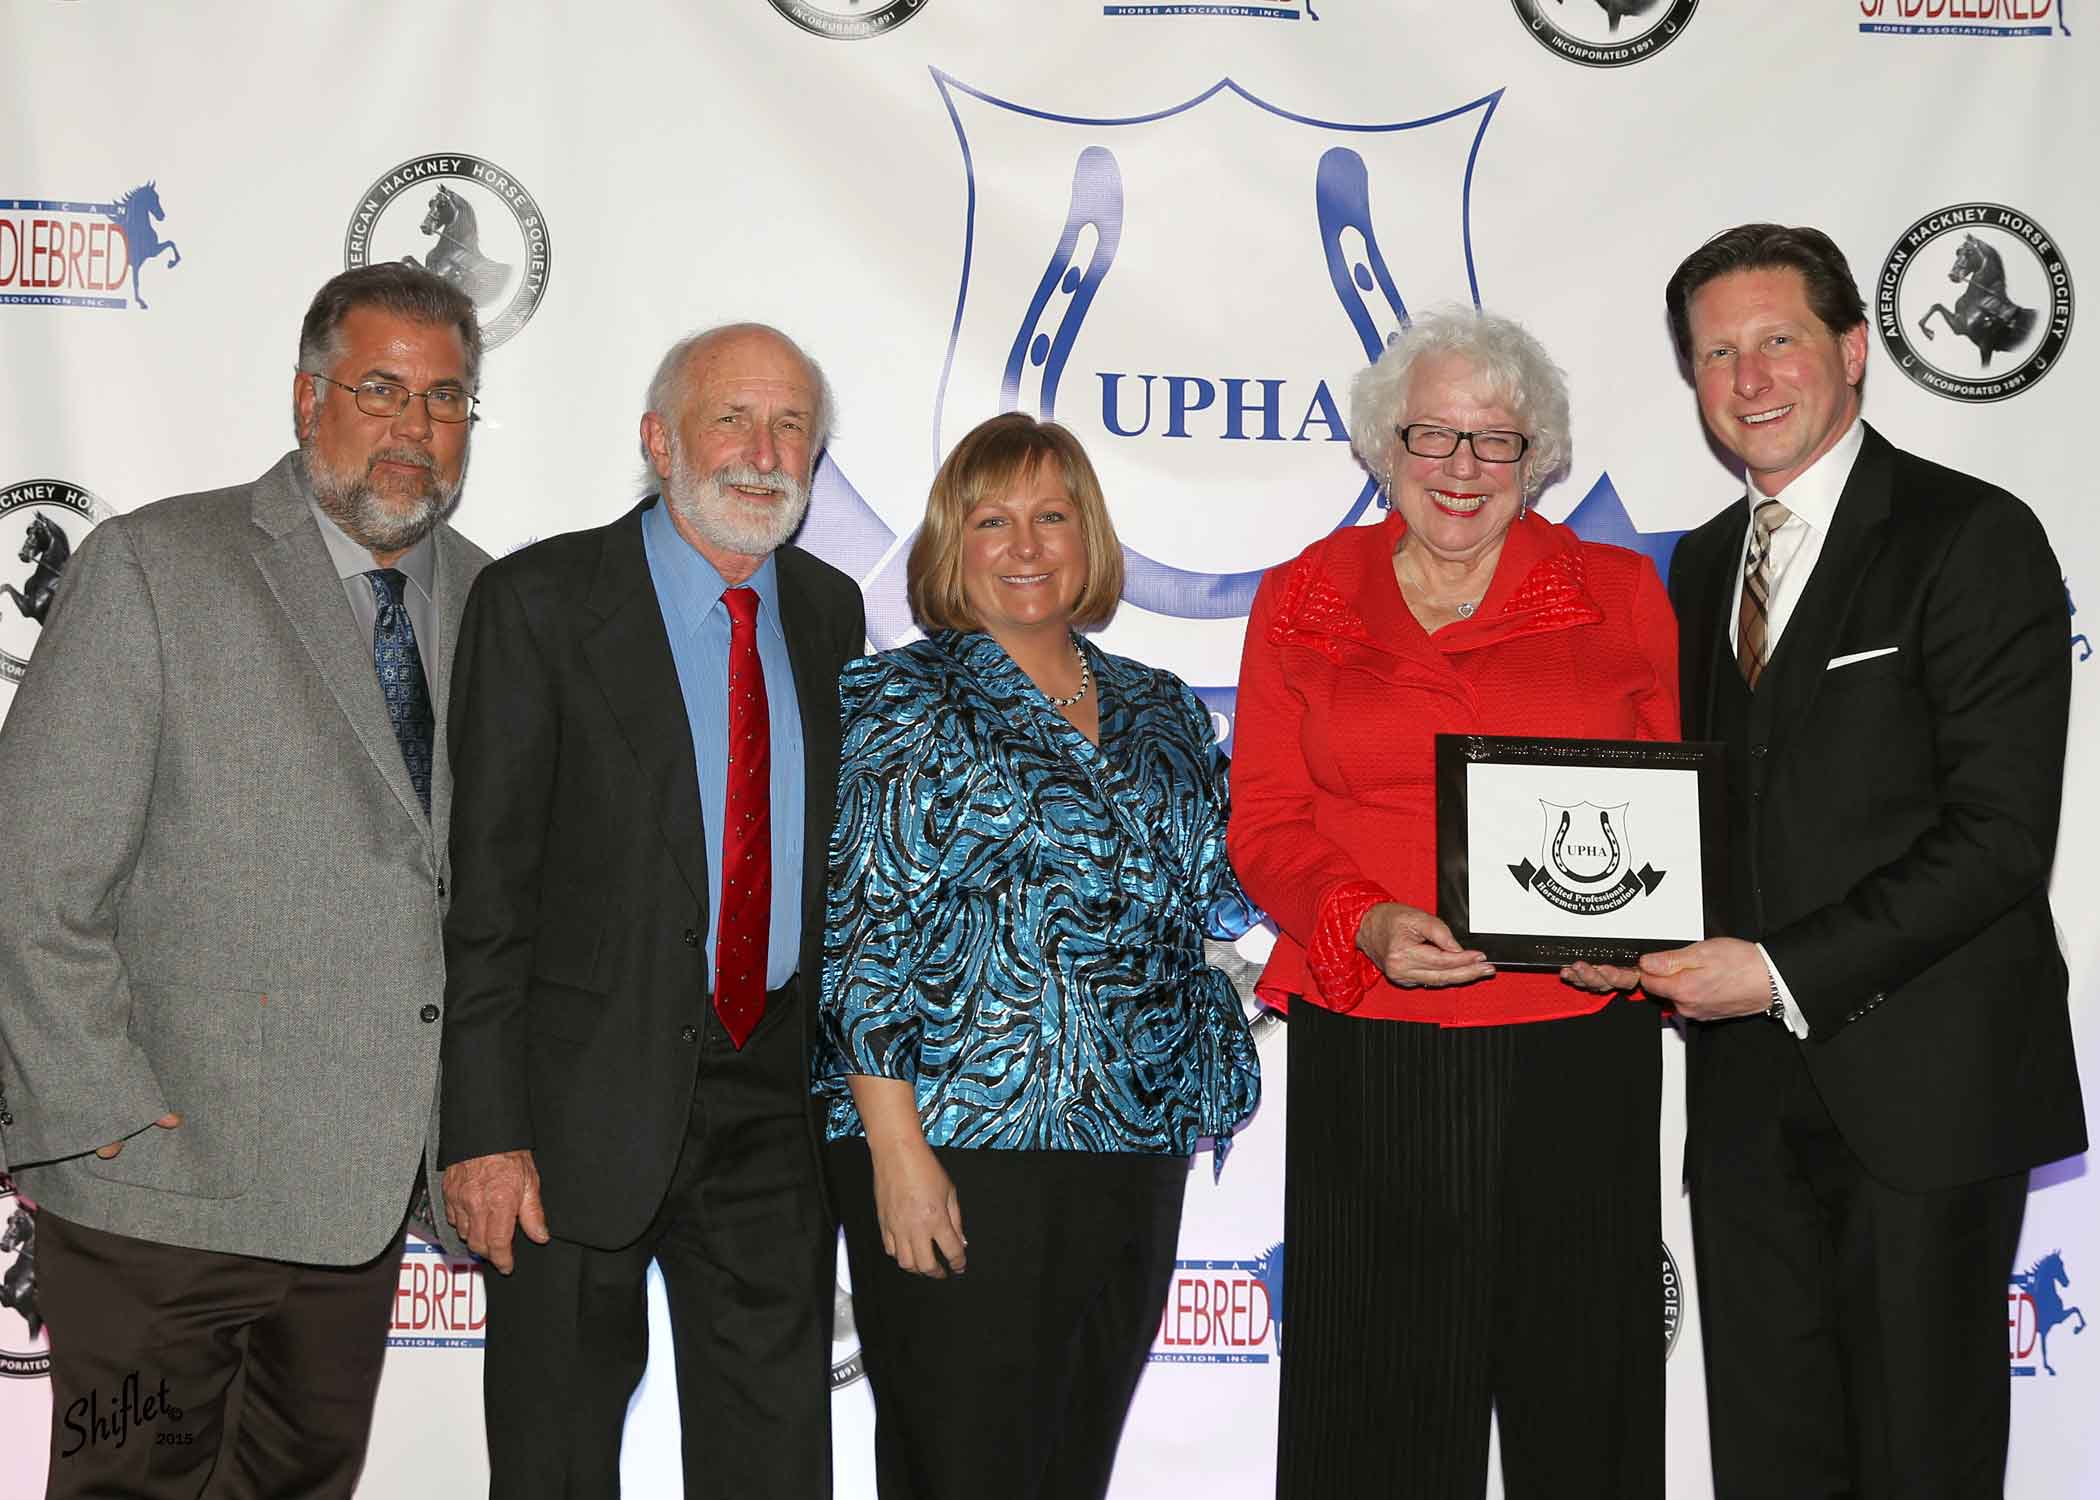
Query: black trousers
[(150, 1341), (1472, 1218), (1013, 1378), (1854, 1333), (747, 1252)]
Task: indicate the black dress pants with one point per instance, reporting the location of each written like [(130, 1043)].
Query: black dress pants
[(1472, 1219), (1854, 1332), (1013, 1379), (747, 1252), (148, 1341)]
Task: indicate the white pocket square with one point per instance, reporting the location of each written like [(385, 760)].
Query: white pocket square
[(1846, 661)]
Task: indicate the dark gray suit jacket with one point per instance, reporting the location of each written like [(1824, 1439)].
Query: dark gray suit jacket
[(226, 899)]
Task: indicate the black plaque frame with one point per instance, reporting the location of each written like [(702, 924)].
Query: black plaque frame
[(1518, 950)]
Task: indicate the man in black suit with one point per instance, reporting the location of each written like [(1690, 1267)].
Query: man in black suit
[(1882, 1048), (645, 727)]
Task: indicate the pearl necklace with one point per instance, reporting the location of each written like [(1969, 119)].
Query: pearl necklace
[(1086, 680)]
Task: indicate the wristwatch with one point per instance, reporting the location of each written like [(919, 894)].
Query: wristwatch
[(1776, 1011)]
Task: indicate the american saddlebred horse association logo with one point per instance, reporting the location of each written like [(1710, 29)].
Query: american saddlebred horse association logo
[(1586, 862), (2040, 1287)]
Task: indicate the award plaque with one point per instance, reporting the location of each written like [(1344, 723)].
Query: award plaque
[(1552, 852)]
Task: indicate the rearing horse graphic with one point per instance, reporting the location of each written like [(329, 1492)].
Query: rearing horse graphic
[(18, 1281), (2040, 1282), (457, 255), (1983, 314), (136, 212), (46, 546), (1617, 10)]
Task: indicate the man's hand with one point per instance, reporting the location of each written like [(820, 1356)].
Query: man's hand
[(1412, 948), (167, 1121), (1711, 981), (916, 1206), (488, 1197), (1600, 979)]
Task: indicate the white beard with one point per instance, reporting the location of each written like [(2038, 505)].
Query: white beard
[(711, 507)]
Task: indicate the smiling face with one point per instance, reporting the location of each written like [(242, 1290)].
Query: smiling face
[(1024, 557), (1777, 388), (736, 467), (386, 481), (1457, 507)]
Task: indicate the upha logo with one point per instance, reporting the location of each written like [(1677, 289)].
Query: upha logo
[(1587, 863), (467, 220), (1974, 302), (1223, 1312), (1605, 33), (848, 20), (2034, 1306), (65, 253), (25, 1353), (42, 522)]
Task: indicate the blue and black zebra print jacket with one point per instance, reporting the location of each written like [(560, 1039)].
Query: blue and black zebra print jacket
[(1016, 918)]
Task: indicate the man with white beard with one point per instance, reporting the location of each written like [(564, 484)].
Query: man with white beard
[(221, 947), (647, 713)]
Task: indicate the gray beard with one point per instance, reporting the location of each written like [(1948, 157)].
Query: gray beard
[(375, 524), (725, 520)]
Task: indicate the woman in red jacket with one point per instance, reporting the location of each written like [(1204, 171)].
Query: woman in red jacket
[(1472, 1202)]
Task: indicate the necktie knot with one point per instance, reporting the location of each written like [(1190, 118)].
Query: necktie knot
[(742, 604), (389, 590), (1770, 516)]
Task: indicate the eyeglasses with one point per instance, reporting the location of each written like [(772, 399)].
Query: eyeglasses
[(383, 398), (1425, 440)]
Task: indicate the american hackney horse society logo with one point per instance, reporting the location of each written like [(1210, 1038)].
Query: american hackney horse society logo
[(2007, 325), (62, 253), (25, 1354), (1605, 33), (464, 219), (42, 521), (848, 20)]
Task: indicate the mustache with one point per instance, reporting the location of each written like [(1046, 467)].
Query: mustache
[(416, 456), (746, 477)]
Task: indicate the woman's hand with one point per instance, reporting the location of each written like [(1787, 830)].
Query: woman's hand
[(915, 1203), (1413, 948), (916, 1206)]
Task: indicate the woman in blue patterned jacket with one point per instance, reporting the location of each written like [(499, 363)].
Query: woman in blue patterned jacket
[(1019, 1032)]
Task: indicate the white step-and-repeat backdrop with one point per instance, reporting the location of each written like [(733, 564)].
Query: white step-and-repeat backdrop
[(1179, 228)]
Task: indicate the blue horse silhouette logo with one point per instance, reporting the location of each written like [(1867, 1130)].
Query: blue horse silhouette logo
[(2043, 1282), (2079, 643), (136, 213)]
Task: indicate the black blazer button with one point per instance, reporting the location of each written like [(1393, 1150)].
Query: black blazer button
[(429, 1013), (1757, 752), (692, 940), (689, 1034), (441, 887)]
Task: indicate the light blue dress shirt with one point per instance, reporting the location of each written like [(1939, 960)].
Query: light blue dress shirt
[(689, 592)]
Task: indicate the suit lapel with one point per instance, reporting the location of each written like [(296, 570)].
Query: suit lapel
[(630, 655), (1797, 669), (1709, 584), (294, 563), (817, 696), (452, 585)]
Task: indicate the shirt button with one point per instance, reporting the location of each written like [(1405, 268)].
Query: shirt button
[(689, 1034), (429, 1013), (692, 940)]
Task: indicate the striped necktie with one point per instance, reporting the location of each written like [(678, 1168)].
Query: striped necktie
[(1752, 620)]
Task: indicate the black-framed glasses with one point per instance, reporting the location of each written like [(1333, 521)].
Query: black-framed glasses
[(1427, 440), (384, 398)]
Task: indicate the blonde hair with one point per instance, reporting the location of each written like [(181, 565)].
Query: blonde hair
[(992, 459)]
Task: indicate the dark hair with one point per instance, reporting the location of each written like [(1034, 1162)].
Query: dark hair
[(391, 286), (1833, 296)]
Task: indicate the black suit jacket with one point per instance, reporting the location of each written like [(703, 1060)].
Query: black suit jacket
[(1904, 817), (575, 946)]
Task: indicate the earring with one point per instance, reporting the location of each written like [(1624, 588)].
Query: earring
[(1385, 494)]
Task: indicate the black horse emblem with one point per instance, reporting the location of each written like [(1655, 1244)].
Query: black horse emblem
[(18, 1281), (1983, 313), (457, 254), (1616, 11), (46, 546)]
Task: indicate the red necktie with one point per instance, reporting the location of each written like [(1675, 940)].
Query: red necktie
[(745, 906)]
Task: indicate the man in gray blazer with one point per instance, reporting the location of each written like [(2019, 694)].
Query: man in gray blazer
[(221, 958)]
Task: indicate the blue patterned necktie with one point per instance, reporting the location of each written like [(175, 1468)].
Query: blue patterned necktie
[(400, 668)]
